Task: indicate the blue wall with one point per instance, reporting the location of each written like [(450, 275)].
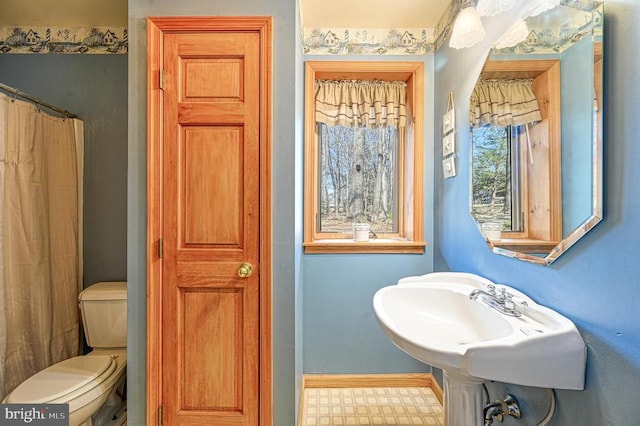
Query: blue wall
[(286, 119), (597, 282), (340, 330), (340, 333)]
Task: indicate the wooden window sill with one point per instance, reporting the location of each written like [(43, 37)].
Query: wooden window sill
[(525, 245), (375, 245)]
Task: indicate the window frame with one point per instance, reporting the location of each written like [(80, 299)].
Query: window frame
[(410, 238)]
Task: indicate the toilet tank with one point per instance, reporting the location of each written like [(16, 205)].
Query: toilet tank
[(104, 314)]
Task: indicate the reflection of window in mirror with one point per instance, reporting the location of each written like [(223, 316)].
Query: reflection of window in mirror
[(528, 202), (497, 178)]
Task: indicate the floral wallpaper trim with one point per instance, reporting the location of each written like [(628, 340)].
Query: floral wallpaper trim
[(349, 41), (94, 40), (397, 41), (549, 37), (445, 23), (343, 41)]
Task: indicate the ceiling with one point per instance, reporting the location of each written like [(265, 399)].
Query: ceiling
[(315, 13), (64, 13), (371, 13)]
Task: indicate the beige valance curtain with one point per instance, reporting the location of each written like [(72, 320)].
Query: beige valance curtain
[(500, 102), (356, 103)]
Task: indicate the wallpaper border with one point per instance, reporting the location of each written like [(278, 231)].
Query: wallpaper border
[(89, 40)]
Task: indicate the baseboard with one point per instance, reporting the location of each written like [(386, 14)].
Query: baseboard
[(369, 381), (366, 380)]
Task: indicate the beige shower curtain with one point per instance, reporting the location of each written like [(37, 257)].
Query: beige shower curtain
[(40, 235)]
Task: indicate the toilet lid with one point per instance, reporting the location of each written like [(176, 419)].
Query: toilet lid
[(62, 378)]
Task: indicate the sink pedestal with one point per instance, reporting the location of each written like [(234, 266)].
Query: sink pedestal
[(463, 400)]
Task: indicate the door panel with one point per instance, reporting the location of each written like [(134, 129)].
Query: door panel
[(211, 178), (213, 208), (226, 86), (213, 324)]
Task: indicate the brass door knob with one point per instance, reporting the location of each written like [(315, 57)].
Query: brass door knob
[(245, 270)]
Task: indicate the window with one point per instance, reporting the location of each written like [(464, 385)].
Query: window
[(357, 181), (367, 173)]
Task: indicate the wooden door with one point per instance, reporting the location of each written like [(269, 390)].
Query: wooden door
[(210, 172)]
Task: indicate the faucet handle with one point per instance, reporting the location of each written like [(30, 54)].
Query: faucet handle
[(509, 298), (491, 288), (510, 304)]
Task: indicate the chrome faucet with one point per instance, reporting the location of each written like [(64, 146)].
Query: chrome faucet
[(501, 302), (477, 292)]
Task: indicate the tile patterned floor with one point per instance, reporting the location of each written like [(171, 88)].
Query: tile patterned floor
[(401, 406)]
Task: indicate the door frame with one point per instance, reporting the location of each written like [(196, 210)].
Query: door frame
[(156, 28)]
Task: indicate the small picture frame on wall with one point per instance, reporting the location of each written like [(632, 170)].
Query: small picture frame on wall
[(449, 144), (448, 121), (449, 167), (449, 118)]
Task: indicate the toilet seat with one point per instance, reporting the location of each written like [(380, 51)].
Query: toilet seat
[(65, 380)]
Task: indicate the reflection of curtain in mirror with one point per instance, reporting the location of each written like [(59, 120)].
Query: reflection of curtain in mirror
[(40, 223), (503, 102)]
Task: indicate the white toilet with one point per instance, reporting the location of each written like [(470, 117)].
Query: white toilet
[(91, 384)]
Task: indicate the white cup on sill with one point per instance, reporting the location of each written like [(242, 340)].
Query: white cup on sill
[(492, 230), (361, 232)]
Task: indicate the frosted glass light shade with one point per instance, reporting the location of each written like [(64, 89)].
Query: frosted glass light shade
[(494, 7), (514, 35), (467, 29), (542, 6)]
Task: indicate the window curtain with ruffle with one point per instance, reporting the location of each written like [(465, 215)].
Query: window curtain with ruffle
[(356, 103), (500, 102)]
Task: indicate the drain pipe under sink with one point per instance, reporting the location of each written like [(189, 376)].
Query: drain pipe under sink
[(552, 408)]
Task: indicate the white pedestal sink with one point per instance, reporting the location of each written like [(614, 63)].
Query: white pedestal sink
[(433, 319)]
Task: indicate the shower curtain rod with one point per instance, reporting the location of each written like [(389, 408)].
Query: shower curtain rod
[(37, 101)]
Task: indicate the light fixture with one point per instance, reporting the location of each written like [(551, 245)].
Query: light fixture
[(467, 29), (514, 35), (542, 6), (494, 7)]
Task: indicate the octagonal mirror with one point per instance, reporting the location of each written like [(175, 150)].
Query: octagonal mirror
[(536, 123)]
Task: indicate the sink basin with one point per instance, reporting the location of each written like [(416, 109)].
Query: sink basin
[(433, 319), (435, 324)]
